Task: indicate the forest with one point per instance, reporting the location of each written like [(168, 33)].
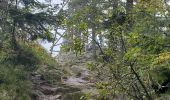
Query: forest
[(110, 50)]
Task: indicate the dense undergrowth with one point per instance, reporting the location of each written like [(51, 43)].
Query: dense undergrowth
[(17, 66)]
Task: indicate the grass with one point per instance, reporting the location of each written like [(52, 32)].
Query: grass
[(16, 67)]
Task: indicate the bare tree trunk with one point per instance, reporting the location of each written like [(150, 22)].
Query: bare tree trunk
[(129, 8), (93, 42), (129, 5), (101, 40), (13, 31), (53, 42), (113, 41), (115, 4), (131, 65), (13, 36)]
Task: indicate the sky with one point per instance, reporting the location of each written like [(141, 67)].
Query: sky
[(53, 1)]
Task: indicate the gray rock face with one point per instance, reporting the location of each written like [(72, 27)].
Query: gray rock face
[(46, 91), (80, 76), (72, 86)]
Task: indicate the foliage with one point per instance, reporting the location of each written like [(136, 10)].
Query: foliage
[(16, 67), (22, 22), (38, 53), (132, 37), (14, 83), (136, 52)]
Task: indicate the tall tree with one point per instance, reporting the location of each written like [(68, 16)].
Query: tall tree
[(22, 19), (129, 8)]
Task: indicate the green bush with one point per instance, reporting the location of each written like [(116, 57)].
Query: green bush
[(14, 83), (16, 66)]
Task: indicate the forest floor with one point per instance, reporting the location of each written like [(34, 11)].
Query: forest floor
[(76, 82)]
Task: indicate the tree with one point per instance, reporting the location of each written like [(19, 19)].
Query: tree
[(27, 24), (135, 33)]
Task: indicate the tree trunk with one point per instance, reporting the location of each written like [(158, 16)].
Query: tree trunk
[(115, 4), (101, 40), (94, 42), (13, 32), (113, 41), (129, 8), (13, 36)]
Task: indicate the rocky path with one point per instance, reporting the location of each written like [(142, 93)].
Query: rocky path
[(46, 91), (79, 77), (73, 85)]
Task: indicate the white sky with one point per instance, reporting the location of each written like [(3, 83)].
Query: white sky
[(53, 1)]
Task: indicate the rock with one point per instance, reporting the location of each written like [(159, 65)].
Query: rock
[(79, 76), (75, 81), (86, 78), (37, 95), (80, 70), (119, 97), (67, 89), (73, 96), (58, 96), (76, 69), (64, 78), (85, 75), (51, 97), (47, 90)]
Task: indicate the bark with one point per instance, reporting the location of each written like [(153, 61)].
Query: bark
[(13, 37), (131, 65), (13, 32), (115, 4), (93, 42), (113, 42), (129, 8), (140, 82), (101, 40)]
